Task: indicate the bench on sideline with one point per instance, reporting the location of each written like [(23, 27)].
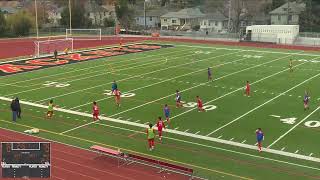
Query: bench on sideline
[(132, 158), (109, 152), (163, 166)]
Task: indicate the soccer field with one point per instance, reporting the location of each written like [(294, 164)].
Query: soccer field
[(219, 143)]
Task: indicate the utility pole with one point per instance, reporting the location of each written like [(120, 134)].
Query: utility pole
[(229, 18), (288, 12)]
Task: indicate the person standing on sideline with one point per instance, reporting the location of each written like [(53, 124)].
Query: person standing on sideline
[(14, 110), (55, 54), (260, 138), (18, 108), (150, 135)]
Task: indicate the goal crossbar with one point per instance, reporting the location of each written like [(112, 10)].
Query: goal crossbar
[(84, 34)]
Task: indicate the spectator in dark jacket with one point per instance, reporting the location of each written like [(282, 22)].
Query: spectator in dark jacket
[(14, 110), (18, 108)]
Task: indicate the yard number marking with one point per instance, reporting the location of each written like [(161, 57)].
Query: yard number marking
[(194, 104), (55, 84), (125, 95)]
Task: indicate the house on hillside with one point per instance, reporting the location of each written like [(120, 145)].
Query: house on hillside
[(54, 15), (214, 22), (287, 14), (152, 19), (184, 19), (97, 14), (10, 7)]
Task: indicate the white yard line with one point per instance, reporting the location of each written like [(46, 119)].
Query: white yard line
[(127, 78), (239, 89), (202, 85), (247, 146), (149, 85), (87, 77), (261, 105), (291, 129)]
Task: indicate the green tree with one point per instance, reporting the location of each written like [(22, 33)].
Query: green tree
[(3, 24), (109, 22), (20, 23), (79, 18), (124, 13)]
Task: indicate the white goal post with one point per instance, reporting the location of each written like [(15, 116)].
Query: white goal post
[(47, 47), (84, 34)]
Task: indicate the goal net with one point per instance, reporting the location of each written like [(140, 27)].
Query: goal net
[(47, 47), (84, 34)]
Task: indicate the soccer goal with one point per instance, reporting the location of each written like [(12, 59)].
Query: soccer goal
[(47, 47), (84, 34)]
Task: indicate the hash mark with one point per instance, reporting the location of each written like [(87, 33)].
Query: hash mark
[(310, 154), (219, 137), (231, 139), (186, 130), (243, 141), (283, 149), (197, 132), (176, 128), (296, 151)]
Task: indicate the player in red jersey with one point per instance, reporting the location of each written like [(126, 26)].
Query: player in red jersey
[(161, 126), (247, 93), (200, 105), (95, 111), (117, 95)]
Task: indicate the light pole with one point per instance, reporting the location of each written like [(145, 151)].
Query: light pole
[(70, 19), (36, 9), (145, 14)]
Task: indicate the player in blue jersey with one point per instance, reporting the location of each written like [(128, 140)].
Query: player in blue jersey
[(209, 74), (260, 138), (166, 111), (178, 99), (114, 87), (306, 100)]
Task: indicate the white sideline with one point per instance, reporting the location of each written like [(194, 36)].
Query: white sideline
[(301, 53), (291, 129), (247, 146), (196, 87), (267, 102)]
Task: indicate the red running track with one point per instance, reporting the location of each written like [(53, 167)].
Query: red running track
[(11, 48), (71, 163)]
